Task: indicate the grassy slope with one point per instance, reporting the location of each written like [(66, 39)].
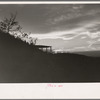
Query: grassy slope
[(20, 62)]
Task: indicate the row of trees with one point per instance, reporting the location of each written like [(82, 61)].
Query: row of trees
[(11, 25)]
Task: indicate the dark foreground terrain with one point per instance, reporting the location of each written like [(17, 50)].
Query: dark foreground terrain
[(21, 62)]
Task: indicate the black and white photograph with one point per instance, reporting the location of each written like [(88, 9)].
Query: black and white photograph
[(44, 43)]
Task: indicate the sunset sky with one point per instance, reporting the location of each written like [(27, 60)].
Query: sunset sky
[(67, 27)]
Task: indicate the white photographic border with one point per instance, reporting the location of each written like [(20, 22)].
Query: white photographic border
[(50, 90)]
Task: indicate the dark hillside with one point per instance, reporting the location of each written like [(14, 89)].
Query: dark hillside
[(21, 62)]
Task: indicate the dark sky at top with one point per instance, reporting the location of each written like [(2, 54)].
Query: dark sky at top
[(47, 18), (64, 26)]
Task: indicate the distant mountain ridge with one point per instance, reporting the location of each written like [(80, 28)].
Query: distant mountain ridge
[(95, 53)]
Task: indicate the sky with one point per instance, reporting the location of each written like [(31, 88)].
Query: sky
[(65, 27)]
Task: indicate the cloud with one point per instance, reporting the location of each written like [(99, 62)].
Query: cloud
[(69, 12), (72, 23), (58, 35), (84, 37), (63, 13), (71, 34)]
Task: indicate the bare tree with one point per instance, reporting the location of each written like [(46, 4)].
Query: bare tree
[(11, 25), (8, 23), (18, 28)]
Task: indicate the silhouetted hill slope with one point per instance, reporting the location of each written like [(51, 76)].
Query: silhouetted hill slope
[(21, 62)]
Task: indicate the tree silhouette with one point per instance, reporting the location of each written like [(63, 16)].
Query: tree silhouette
[(11, 25), (8, 24)]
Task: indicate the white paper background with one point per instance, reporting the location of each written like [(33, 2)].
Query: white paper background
[(43, 91)]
